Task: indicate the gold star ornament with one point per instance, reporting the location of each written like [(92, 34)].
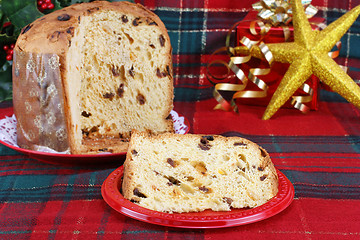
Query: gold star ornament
[(308, 55)]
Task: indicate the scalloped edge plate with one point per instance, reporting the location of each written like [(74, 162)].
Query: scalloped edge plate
[(206, 219), (71, 159)]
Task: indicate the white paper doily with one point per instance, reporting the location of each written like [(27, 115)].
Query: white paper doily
[(8, 130)]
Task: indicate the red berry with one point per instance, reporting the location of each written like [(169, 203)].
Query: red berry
[(40, 2), (43, 6), (10, 52), (48, 1), (9, 57), (6, 24), (50, 6), (12, 45), (6, 47)]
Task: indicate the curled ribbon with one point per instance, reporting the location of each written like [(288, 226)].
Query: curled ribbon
[(254, 74), (231, 66)]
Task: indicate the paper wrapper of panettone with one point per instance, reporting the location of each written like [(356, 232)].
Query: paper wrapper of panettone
[(38, 101)]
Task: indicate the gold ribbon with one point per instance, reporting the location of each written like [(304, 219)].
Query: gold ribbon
[(279, 12), (231, 66), (272, 13), (239, 88), (265, 28)]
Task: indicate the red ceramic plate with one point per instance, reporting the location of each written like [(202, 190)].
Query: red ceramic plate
[(70, 159), (206, 219)]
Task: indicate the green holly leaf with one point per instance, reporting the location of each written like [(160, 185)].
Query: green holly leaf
[(6, 81), (57, 5), (20, 12)]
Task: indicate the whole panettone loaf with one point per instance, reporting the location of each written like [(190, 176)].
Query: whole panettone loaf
[(191, 173), (85, 76)]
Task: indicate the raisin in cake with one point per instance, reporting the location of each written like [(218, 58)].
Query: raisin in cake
[(85, 76), (191, 173)]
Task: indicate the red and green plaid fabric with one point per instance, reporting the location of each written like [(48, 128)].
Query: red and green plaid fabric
[(198, 28), (319, 152)]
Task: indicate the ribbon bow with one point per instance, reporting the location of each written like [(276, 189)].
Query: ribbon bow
[(278, 12)]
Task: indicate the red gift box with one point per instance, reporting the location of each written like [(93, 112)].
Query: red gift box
[(274, 35)]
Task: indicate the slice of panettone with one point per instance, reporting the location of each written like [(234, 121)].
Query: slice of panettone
[(191, 173)]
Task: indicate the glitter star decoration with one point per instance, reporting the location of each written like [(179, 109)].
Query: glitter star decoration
[(308, 55)]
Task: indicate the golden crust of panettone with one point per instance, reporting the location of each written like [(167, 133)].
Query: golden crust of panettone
[(52, 33)]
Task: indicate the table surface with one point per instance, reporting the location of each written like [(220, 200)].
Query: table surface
[(318, 152)]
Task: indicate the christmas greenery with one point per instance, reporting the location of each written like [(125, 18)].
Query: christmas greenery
[(14, 15)]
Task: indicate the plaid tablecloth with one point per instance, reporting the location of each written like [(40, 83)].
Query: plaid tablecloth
[(319, 152)]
